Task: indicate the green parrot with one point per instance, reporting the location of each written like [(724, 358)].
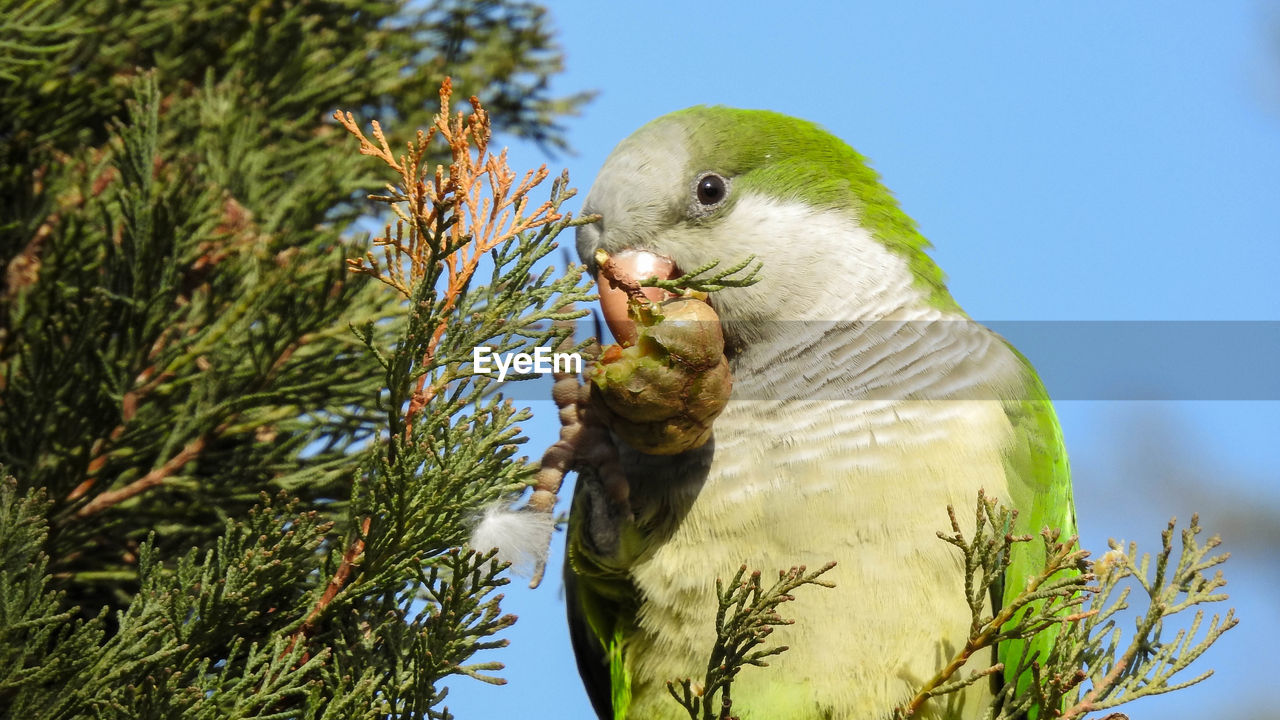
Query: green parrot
[(864, 402)]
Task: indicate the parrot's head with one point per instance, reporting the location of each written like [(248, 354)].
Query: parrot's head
[(721, 184)]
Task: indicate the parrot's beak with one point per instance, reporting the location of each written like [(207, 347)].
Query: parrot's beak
[(634, 266)]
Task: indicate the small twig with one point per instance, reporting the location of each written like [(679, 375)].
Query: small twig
[(1086, 703), (336, 583), (619, 278), (340, 578), (702, 280), (156, 477), (746, 616), (987, 558)]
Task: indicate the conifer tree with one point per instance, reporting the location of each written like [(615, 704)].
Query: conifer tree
[(238, 467), (241, 449)]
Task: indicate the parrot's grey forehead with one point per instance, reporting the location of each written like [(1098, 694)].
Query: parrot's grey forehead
[(641, 184)]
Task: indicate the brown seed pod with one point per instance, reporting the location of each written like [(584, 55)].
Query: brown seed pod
[(661, 394)]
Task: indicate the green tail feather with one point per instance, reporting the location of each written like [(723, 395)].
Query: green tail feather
[(1040, 487), (619, 677)]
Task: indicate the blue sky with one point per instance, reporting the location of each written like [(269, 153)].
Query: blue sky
[(1098, 161)]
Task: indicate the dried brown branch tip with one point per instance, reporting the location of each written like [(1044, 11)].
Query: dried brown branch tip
[(446, 219), (451, 216), (662, 391)]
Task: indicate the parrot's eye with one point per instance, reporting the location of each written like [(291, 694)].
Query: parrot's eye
[(711, 189)]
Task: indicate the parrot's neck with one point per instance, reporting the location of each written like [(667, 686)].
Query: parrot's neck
[(858, 327)]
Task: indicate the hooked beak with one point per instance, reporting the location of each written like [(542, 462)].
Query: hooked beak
[(632, 266)]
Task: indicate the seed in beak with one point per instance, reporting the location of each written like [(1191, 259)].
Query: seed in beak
[(630, 266)]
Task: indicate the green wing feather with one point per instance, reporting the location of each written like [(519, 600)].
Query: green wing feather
[(600, 600), (1040, 487)]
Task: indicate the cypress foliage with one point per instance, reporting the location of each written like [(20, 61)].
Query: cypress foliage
[(216, 500)]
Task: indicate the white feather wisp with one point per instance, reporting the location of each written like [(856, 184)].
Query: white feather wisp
[(523, 537)]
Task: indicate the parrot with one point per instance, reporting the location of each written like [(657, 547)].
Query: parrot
[(864, 403)]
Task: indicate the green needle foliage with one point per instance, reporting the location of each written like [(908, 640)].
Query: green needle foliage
[(1091, 665), (705, 279), (1097, 666), (239, 474), (746, 617)]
